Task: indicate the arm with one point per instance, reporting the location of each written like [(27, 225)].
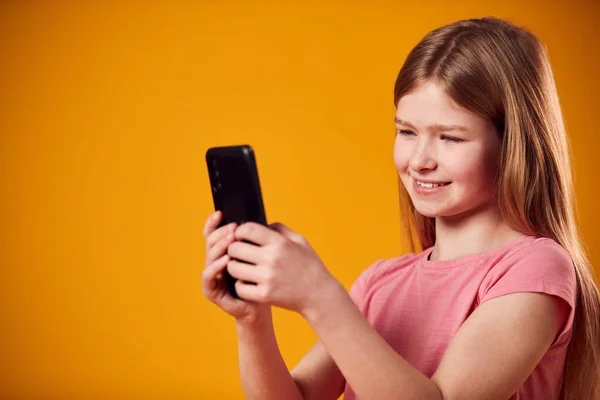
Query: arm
[(263, 372), (481, 362), (498, 347), (317, 376), (514, 330), (265, 376)]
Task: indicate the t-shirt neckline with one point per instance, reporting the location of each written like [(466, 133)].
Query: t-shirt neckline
[(473, 257)]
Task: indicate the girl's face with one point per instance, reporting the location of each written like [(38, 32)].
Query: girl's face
[(445, 155)]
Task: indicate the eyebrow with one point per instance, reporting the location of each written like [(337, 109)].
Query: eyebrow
[(436, 127)]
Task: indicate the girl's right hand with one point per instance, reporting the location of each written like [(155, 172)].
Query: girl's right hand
[(213, 279)]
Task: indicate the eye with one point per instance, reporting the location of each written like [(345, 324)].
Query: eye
[(405, 132), (451, 139)]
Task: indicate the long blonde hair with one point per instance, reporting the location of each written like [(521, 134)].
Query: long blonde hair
[(502, 72)]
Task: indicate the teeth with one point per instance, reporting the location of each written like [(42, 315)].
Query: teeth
[(429, 185)]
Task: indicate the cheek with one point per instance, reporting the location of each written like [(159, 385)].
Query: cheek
[(472, 169), (402, 153)]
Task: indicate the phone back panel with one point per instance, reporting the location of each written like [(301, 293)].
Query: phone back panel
[(235, 184), (236, 190)]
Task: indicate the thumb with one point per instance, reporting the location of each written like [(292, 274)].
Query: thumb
[(286, 232)]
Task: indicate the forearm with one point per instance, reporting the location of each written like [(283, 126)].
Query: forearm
[(372, 368), (263, 372)]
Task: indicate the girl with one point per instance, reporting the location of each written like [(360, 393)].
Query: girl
[(502, 300)]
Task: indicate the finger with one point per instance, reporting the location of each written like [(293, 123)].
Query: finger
[(211, 223), (245, 272), (246, 252), (250, 292), (257, 233), (211, 273), (215, 236), (219, 248), (286, 232)]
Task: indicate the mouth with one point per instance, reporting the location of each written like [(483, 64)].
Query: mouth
[(428, 188), (430, 185)]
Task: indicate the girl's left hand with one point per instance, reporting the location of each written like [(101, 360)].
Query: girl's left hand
[(287, 271)]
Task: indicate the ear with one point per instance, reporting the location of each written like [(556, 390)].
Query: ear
[(287, 232)]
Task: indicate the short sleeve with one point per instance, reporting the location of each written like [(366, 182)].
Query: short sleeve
[(543, 267), (360, 286)]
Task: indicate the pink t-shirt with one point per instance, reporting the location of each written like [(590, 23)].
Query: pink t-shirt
[(418, 305)]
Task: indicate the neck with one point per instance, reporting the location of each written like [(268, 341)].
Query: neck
[(471, 233)]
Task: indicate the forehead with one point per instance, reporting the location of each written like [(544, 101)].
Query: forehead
[(428, 104)]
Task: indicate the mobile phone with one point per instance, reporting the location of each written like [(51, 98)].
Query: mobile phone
[(235, 190)]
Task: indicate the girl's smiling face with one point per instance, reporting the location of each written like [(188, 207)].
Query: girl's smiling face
[(445, 155)]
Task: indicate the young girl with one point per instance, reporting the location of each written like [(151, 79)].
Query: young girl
[(500, 303)]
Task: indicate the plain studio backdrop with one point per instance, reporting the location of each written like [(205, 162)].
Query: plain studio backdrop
[(106, 111)]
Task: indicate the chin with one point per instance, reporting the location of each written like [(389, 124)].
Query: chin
[(436, 210), (431, 213)]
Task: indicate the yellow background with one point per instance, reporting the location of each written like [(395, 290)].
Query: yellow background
[(106, 111)]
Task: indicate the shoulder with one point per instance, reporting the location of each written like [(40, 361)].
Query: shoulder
[(543, 250), (385, 267), (538, 265), (381, 271), (536, 259)]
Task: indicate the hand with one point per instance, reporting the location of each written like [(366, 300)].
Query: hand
[(287, 271), (213, 281)]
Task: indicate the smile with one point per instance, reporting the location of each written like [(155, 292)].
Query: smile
[(429, 188), (431, 185)]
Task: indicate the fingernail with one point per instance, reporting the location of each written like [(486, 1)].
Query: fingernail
[(214, 216)]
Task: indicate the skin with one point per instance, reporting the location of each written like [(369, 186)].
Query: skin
[(480, 362), (467, 220)]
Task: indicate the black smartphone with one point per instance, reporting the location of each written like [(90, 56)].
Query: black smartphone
[(235, 189)]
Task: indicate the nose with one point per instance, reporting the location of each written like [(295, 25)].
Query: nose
[(423, 158)]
